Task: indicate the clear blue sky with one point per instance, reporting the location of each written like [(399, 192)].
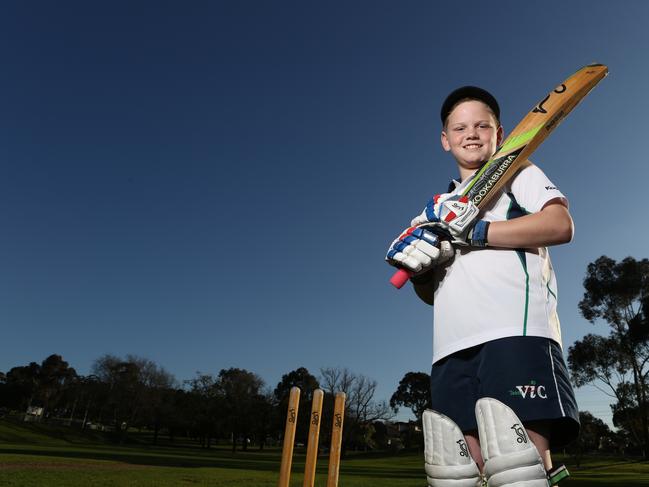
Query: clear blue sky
[(215, 184)]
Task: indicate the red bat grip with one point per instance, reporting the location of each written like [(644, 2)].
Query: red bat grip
[(399, 278)]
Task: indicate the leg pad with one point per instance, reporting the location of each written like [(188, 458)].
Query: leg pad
[(448, 462), (511, 459)]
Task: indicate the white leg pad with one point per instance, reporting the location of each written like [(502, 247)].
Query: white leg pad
[(511, 459), (448, 462)]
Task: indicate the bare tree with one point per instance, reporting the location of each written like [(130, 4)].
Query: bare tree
[(334, 379), (361, 407), (360, 391)]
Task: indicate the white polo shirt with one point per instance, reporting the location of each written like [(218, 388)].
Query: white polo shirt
[(486, 294)]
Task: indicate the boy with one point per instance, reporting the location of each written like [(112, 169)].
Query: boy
[(496, 331)]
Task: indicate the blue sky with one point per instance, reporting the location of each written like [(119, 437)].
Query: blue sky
[(215, 184)]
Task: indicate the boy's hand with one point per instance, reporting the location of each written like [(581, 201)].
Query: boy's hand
[(418, 250), (455, 217)]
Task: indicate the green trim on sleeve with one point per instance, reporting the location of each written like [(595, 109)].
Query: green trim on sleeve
[(550, 291)]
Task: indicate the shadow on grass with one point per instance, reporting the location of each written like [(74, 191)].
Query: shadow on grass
[(200, 460), (406, 465), (238, 461), (613, 464)]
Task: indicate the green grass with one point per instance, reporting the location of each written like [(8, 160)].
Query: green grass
[(39, 455)]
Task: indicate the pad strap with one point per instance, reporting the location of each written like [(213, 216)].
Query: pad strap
[(558, 474)]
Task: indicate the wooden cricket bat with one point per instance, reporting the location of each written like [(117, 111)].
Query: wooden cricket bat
[(524, 140)]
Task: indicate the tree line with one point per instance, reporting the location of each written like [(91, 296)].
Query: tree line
[(236, 405)]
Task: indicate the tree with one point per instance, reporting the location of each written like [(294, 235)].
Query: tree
[(4, 389), (85, 395), (414, 393), (240, 390), (158, 387), (54, 377), (204, 407), (181, 413), (22, 386), (41, 385), (618, 293), (121, 380), (361, 409), (307, 383), (128, 387), (263, 416), (593, 435)]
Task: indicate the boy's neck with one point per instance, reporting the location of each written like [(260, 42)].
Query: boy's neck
[(466, 173)]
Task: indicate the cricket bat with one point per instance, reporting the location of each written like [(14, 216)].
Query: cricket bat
[(524, 139)]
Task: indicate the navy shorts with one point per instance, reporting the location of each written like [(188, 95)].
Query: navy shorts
[(526, 373)]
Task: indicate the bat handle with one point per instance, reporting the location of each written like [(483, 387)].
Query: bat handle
[(399, 278)]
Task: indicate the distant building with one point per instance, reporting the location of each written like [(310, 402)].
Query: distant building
[(33, 414)]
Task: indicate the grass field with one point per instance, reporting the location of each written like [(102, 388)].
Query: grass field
[(36, 455)]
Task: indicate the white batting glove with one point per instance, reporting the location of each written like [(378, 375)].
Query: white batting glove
[(456, 217), (418, 250)]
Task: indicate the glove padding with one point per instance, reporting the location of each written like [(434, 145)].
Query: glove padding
[(418, 250), (454, 217)]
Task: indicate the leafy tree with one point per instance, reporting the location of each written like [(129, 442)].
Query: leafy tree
[(204, 406), (22, 386), (299, 377), (592, 436), (240, 390), (120, 377), (263, 417), (129, 389), (4, 389), (627, 414), (156, 405), (618, 293), (54, 377), (181, 418), (307, 383), (414, 393)]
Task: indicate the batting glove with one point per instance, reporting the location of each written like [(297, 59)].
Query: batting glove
[(418, 250), (456, 218)]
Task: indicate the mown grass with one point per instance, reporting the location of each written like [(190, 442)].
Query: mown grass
[(39, 455)]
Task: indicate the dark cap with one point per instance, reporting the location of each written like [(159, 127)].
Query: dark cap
[(472, 92)]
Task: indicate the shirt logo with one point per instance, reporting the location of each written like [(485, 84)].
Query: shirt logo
[(531, 391)]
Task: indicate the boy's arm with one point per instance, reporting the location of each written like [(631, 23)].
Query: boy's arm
[(551, 226)]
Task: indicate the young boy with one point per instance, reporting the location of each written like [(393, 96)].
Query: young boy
[(496, 330)]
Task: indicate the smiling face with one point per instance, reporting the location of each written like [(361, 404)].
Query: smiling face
[(471, 134)]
